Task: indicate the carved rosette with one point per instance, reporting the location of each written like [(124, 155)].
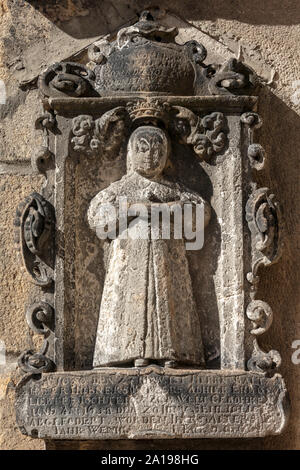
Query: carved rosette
[(263, 215)]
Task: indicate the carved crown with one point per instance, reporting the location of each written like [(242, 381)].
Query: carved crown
[(150, 109)]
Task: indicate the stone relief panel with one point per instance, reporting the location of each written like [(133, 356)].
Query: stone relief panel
[(149, 121)]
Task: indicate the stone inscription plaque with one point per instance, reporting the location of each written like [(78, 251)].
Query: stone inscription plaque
[(152, 402)]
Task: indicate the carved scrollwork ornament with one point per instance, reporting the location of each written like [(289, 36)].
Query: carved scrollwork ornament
[(261, 315), (252, 120), (110, 131), (256, 155), (35, 363), (263, 215), (47, 121), (82, 130), (265, 362), (40, 317), (67, 78), (42, 160), (264, 218), (231, 77), (146, 29), (103, 136), (255, 152), (207, 135), (34, 225), (196, 51), (99, 51)]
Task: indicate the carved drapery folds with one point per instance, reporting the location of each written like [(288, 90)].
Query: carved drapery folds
[(263, 215)]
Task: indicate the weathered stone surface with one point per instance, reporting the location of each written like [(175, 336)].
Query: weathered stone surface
[(146, 58), (15, 292), (145, 315), (28, 37), (151, 403), (10, 435)]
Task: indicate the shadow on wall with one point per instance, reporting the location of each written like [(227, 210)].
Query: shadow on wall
[(279, 284), (88, 18)]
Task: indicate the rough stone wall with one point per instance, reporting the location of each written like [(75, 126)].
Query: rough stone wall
[(34, 34)]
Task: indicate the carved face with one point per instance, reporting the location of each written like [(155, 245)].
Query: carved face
[(148, 150), (82, 124)]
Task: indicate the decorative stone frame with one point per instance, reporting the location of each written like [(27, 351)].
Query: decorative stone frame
[(86, 124)]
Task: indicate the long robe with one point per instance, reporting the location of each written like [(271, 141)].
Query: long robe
[(147, 308)]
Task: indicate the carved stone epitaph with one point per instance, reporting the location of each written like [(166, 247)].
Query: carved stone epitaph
[(153, 280), (144, 248)]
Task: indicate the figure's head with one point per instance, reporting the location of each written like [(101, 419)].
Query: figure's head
[(148, 151)]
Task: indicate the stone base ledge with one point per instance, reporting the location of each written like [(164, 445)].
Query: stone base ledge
[(151, 403)]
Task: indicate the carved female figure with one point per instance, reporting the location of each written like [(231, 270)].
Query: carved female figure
[(147, 313)]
